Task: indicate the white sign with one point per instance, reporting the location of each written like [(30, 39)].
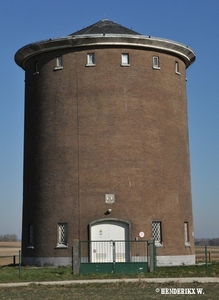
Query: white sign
[(109, 198), (141, 234)]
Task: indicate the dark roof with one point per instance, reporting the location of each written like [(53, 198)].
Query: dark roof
[(103, 27)]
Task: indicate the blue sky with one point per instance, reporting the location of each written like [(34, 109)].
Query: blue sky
[(191, 22)]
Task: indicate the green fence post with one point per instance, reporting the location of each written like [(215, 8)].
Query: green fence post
[(19, 262), (152, 252), (72, 260), (76, 256), (114, 256), (155, 255), (206, 258)]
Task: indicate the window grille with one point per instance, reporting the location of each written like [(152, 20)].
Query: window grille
[(90, 59), (59, 62), (186, 232), (177, 67), (31, 231), (36, 68), (156, 62), (125, 59), (62, 234), (156, 231)]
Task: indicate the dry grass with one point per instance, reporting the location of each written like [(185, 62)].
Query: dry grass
[(12, 248), (8, 249), (200, 253), (113, 291)]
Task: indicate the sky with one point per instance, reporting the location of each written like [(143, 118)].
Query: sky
[(191, 22)]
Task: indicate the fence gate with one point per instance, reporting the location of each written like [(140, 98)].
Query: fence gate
[(113, 256)]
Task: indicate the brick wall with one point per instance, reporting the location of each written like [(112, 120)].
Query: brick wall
[(106, 129)]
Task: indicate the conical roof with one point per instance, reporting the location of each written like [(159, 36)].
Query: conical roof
[(105, 33), (105, 27)]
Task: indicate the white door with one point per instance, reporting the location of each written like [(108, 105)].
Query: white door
[(108, 241)]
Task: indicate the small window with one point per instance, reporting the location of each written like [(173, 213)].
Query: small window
[(186, 233), (90, 59), (62, 235), (36, 68), (59, 63), (30, 237), (125, 59), (177, 68), (156, 232), (156, 64)]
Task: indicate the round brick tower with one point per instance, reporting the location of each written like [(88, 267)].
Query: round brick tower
[(106, 147)]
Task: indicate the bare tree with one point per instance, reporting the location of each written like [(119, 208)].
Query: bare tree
[(8, 238)]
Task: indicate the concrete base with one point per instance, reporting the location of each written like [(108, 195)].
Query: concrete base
[(162, 261), (178, 260), (47, 261)]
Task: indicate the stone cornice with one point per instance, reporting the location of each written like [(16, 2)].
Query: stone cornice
[(98, 40)]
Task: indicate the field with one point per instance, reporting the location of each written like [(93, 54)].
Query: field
[(200, 253), (7, 251)]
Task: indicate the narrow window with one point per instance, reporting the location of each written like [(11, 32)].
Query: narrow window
[(36, 68), (30, 236), (186, 233), (156, 64), (90, 59), (62, 235), (59, 63), (156, 232), (125, 59), (177, 68)]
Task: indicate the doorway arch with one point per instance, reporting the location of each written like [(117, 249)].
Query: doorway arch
[(109, 240)]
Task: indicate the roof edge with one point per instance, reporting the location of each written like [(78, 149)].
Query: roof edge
[(92, 40)]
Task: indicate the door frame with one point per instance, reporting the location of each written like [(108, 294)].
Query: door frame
[(108, 220)]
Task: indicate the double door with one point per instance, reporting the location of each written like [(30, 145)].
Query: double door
[(109, 242)]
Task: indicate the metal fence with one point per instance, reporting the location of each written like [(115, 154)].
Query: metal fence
[(113, 256), (209, 254), (113, 251), (9, 260)]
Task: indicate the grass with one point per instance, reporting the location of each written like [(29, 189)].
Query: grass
[(96, 291), (113, 291), (33, 274)]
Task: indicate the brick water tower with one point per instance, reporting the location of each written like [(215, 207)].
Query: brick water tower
[(106, 151)]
